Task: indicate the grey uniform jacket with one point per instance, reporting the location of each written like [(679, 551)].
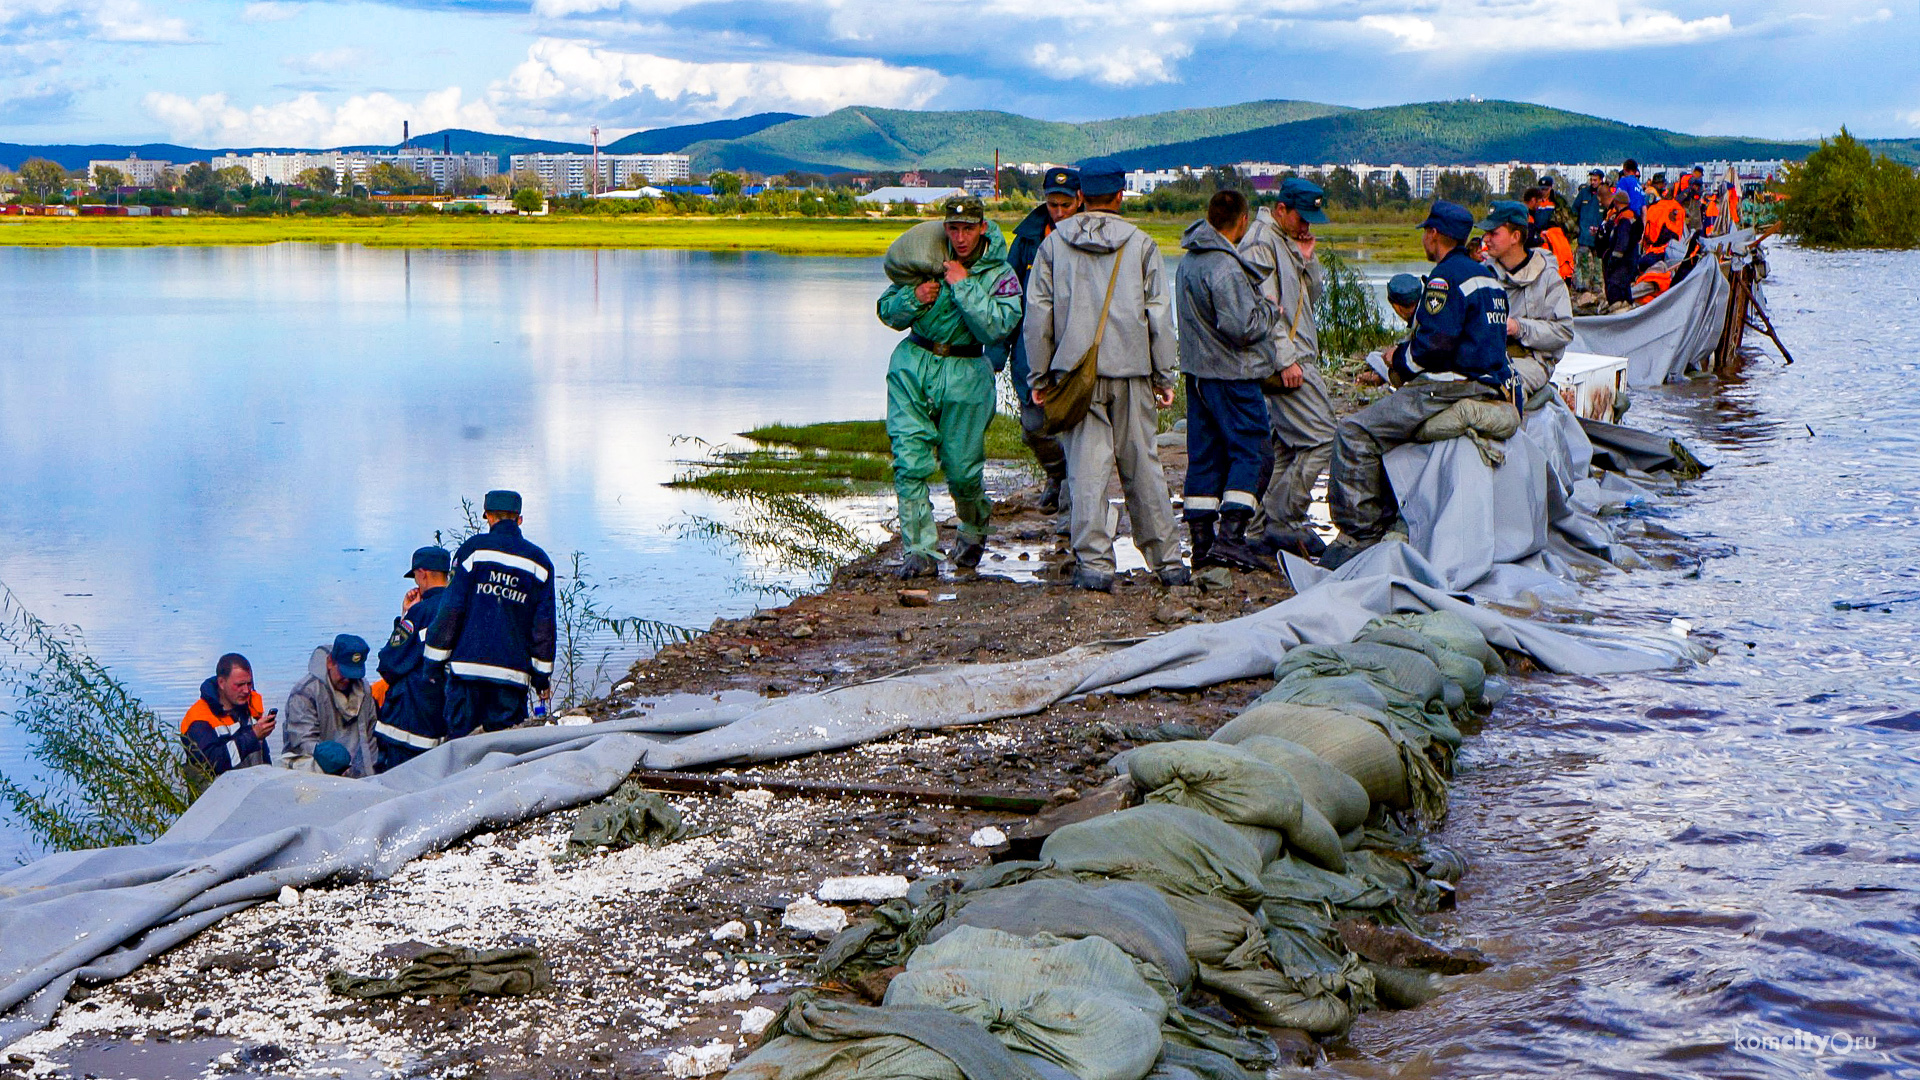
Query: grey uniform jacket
[(1294, 284), (1064, 292), (1537, 299), (1226, 325), (313, 716)]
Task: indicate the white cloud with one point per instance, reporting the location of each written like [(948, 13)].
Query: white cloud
[(307, 121), (1119, 66), (1554, 24), (560, 75), (268, 11), (326, 61), (128, 21)]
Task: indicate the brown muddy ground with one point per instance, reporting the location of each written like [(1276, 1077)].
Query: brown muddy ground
[(629, 935)]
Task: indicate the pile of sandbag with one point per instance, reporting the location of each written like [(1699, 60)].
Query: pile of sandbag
[(1238, 878)]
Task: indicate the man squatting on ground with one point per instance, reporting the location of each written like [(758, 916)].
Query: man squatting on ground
[(495, 627), (1457, 351), (413, 713), (1091, 256), (225, 729), (330, 713), (1061, 188), (1539, 308), (940, 392), (1299, 410), (1226, 349)]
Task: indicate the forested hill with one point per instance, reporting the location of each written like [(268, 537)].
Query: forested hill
[(1456, 133), (896, 139)]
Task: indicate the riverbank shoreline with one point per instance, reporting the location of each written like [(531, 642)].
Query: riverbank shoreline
[(847, 237)]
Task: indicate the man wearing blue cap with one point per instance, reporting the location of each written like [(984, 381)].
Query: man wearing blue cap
[(1098, 294), (1458, 350), (333, 704), (495, 627), (1299, 410), (1539, 308), (1061, 186), (413, 713)]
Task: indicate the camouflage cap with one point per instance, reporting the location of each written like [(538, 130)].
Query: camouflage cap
[(965, 208)]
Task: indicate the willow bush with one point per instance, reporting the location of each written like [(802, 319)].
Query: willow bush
[(1844, 195)]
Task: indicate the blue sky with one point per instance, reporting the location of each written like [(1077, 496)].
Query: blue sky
[(292, 72)]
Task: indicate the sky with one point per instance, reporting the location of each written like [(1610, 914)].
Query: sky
[(226, 73)]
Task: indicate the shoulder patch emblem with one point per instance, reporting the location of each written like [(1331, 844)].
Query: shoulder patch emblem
[(1436, 295), (401, 633), (1009, 285)]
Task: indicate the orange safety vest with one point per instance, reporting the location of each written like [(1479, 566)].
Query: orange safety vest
[(1666, 222), (379, 692), (221, 725), (1661, 280), (1562, 251)]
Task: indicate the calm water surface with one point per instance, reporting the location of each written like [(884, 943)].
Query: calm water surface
[(1679, 874)]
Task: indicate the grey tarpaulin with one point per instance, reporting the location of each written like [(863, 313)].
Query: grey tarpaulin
[(99, 914), (1676, 330)]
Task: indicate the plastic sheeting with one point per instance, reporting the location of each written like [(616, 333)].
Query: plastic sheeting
[(1676, 330)]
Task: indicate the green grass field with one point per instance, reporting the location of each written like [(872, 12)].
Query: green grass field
[(1389, 241)]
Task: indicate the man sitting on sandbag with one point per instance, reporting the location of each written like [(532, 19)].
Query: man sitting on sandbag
[(1458, 352)]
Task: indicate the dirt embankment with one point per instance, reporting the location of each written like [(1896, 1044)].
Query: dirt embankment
[(643, 955)]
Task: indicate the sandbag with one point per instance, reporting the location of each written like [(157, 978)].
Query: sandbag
[(829, 1039), (1489, 418), (1426, 736), (919, 254), (1410, 673), (1451, 630), (1233, 958), (1217, 778), (1171, 847), (1461, 670), (1079, 1004), (1299, 893), (1131, 915), (1345, 740), (884, 1057)]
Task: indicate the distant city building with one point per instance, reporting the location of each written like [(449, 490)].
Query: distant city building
[(139, 171), (568, 174), (978, 185), (913, 179), (436, 167)]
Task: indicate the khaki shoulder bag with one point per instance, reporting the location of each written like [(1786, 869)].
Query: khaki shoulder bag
[(1273, 384), (1066, 402)]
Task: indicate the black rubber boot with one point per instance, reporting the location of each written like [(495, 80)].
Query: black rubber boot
[(916, 565), (1201, 529), (968, 557), (1231, 549), (1050, 498)]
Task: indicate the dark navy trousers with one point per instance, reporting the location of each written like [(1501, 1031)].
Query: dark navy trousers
[(477, 705), (1229, 458)]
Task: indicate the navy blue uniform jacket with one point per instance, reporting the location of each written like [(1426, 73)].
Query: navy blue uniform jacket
[(414, 712), (1460, 325), (496, 617)]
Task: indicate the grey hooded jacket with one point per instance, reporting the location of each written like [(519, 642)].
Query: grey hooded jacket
[(1226, 325), (1064, 293), (1294, 284), (314, 715), (1537, 299)]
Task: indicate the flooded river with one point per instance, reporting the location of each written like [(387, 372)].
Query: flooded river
[(1716, 873), (1704, 874)]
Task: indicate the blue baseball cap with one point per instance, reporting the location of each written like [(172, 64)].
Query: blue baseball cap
[(501, 502), (1304, 197), (1102, 176), (350, 656), (1506, 212), (1450, 220), (1061, 181), (332, 758), (432, 557), (1404, 289)]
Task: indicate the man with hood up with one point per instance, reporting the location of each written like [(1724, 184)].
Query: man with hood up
[(1095, 265), (940, 393), (333, 704), (1226, 348)]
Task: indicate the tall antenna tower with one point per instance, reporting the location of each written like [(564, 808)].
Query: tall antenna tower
[(594, 184)]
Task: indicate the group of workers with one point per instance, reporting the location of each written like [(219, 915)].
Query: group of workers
[(1083, 286), (475, 634), (1635, 241)]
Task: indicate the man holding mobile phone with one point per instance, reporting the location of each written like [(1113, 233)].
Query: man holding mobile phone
[(226, 729)]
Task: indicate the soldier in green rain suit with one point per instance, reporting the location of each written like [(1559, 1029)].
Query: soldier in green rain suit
[(940, 389)]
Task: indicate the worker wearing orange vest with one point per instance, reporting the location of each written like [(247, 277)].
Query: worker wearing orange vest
[(1540, 209), (227, 728), (1687, 192), (1666, 222), (1710, 215)]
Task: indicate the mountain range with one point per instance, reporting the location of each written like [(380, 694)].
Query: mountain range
[(861, 139)]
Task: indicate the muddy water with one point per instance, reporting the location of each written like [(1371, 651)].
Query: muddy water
[(1709, 873)]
